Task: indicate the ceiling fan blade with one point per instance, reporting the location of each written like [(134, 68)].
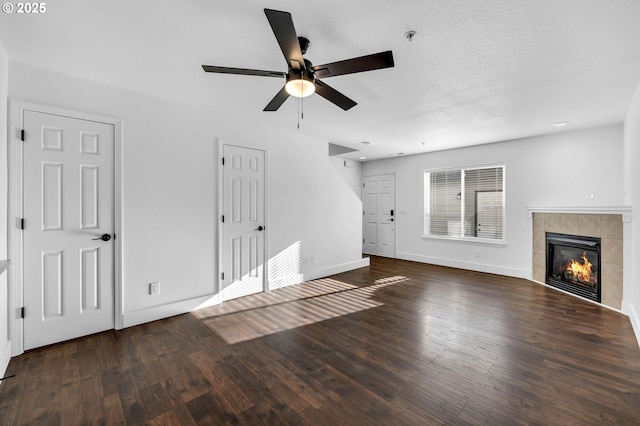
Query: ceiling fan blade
[(372, 62), (282, 26), (332, 95), (277, 101), (243, 71)]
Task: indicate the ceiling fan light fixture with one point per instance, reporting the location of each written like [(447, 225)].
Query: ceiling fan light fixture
[(300, 84), (301, 76)]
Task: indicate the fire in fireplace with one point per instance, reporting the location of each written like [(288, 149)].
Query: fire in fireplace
[(573, 264)]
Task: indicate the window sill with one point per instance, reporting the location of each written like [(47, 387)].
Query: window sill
[(467, 240)]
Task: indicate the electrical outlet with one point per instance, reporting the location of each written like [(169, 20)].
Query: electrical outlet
[(154, 288), (476, 253)]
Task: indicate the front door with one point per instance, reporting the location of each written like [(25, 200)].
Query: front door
[(68, 277), (243, 229), (379, 215)]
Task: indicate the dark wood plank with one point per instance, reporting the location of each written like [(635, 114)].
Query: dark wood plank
[(399, 343)]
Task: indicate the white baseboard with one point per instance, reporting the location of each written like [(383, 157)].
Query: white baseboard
[(5, 357), (629, 309), (336, 269), (292, 279), (165, 311), (470, 266)]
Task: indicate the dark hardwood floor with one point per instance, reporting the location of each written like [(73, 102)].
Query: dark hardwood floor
[(399, 343)]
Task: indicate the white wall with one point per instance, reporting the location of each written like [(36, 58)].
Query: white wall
[(351, 172), (312, 210), (170, 185), (5, 349), (632, 175), (546, 171)]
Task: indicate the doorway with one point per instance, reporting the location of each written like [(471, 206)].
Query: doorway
[(243, 229), (379, 216), (65, 270)]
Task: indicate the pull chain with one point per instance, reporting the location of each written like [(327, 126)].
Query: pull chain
[(300, 102), (298, 114)]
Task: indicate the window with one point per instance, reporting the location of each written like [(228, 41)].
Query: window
[(465, 203)]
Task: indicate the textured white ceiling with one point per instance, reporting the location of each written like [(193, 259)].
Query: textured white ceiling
[(477, 72)]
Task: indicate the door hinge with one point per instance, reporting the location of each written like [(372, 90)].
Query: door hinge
[(362, 212), (363, 241), (223, 161), (363, 184), (222, 218), (22, 135), (20, 223), (22, 312), (222, 276)]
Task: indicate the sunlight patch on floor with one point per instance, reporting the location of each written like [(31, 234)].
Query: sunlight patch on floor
[(285, 268), (391, 280), (291, 307)]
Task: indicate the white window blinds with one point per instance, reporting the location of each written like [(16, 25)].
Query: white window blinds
[(465, 203)]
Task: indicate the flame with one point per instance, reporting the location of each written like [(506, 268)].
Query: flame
[(581, 271)]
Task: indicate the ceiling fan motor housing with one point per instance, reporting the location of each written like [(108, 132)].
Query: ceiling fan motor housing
[(304, 44), (305, 74)]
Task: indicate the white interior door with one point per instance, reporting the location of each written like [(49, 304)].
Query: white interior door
[(379, 215), (243, 227), (68, 277)]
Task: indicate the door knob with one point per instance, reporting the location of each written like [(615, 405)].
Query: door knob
[(103, 237), (259, 228)]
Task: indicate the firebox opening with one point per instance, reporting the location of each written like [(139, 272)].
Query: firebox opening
[(573, 264)]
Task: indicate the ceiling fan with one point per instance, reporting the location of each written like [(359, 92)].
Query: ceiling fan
[(302, 77)]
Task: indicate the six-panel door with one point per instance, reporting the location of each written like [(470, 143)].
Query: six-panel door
[(68, 191), (243, 228)]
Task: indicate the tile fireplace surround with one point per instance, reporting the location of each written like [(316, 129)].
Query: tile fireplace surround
[(612, 225)]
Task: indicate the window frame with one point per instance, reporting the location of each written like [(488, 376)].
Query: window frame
[(467, 239)]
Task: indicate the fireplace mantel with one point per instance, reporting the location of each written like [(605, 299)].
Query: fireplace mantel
[(625, 211), (611, 223)]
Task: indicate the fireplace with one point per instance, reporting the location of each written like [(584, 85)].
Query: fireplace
[(573, 264)]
